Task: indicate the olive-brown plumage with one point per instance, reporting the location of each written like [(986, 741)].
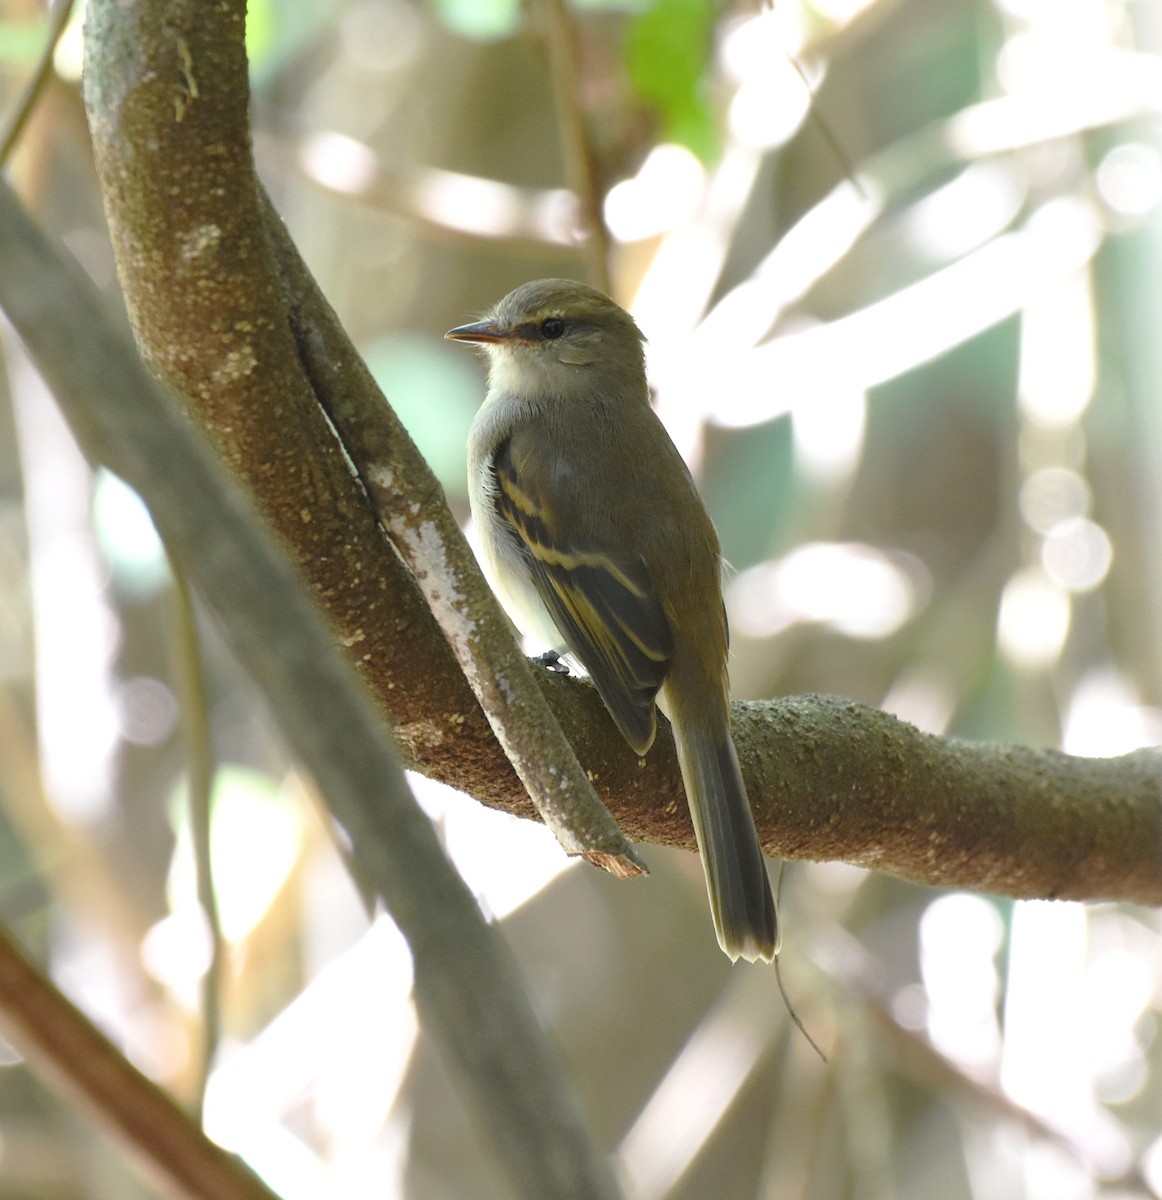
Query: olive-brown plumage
[(597, 542)]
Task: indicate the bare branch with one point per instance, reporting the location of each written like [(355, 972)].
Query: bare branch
[(89, 1070), (831, 779)]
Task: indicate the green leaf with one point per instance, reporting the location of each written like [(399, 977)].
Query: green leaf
[(481, 20), (668, 50)]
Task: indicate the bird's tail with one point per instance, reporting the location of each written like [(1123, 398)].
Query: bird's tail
[(736, 873)]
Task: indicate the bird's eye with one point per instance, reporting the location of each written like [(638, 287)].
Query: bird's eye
[(552, 327)]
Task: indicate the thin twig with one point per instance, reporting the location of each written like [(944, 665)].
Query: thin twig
[(798, 1021), (200, 769), (825, 130), (37, 81), (576, 147)]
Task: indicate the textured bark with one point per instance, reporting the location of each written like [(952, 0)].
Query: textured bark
[(166, 93)]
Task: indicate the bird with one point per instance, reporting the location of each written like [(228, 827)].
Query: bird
[(598, 545)]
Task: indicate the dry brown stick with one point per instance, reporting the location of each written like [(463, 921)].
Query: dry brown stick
[(71, 1054)]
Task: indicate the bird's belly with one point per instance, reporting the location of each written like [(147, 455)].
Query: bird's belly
[(507, 573)]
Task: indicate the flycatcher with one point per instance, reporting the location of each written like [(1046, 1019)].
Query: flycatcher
[(597, 543)]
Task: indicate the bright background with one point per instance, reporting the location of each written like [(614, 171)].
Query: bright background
[(909, 340)]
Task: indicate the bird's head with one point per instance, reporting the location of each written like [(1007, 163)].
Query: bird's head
[(553, 335)]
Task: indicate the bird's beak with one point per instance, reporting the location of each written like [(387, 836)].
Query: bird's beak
[(481, 331)]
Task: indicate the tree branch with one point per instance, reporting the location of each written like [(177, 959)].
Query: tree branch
[(205, 302), (89, 1070), (840, 780), (409, 502), (828, 779), (203, 263)]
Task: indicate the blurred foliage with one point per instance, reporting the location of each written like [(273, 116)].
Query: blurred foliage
[(926, 421), (668, 53), (20, 41)]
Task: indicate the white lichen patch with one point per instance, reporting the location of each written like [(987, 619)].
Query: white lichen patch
[(353, 639), (429, 562), (381, 476), (420, 734), (199, 244), (237, 364)]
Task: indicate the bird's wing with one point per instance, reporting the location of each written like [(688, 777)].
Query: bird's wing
[(602, 601)]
